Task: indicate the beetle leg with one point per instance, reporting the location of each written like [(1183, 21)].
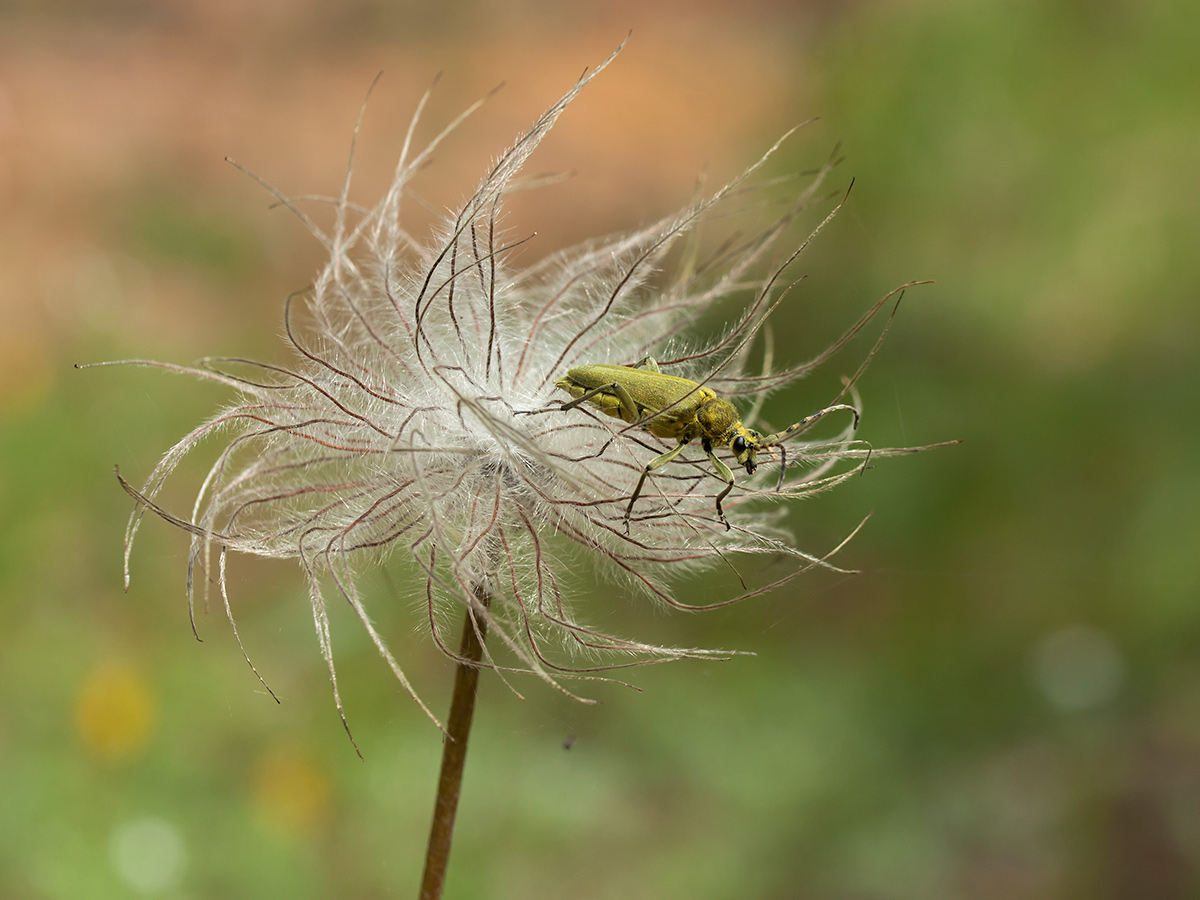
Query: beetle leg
[(629, 410), (584, 397), (649, 362), (650, 467), (726, 475)]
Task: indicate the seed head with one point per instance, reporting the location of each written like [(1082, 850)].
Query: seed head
[(418, 418)]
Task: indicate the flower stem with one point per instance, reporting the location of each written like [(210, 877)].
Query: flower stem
[(454, 751)]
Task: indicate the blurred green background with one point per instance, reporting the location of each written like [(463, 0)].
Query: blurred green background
[(1004, 704)]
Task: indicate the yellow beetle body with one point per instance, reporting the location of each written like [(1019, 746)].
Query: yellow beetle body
[(672, 407), (666, 405)]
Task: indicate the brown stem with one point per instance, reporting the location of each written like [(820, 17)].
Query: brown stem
[(454, 752)]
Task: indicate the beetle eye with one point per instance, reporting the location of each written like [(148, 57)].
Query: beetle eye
[(739, 445)]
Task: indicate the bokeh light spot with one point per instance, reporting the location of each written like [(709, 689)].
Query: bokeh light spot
[(1078, 667), (115, 711), (291, 792), (149, 855)]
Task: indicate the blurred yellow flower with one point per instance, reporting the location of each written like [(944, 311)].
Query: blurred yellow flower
[(115, 711), (291, 792)]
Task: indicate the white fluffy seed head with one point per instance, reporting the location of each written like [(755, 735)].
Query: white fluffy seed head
[(418, 417)]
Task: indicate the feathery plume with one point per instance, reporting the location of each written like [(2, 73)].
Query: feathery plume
[(402, 424)]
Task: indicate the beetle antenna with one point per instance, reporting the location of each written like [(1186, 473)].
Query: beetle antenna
[(778, 438)]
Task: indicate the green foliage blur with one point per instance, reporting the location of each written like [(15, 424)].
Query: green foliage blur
[(1005, 703)]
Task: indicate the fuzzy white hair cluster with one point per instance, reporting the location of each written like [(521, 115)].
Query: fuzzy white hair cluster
[(418, 416)]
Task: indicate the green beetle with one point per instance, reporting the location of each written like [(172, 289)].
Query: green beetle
[(672, 407)]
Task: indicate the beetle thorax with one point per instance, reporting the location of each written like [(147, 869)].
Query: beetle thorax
[(718, 420)]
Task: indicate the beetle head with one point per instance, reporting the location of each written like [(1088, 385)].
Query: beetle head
[(744, 447)]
